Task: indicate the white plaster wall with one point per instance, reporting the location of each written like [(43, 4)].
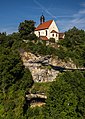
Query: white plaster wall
[(53, 26), (42, 32), (36, 33)]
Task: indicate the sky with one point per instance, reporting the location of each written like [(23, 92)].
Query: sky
[(66, 13)]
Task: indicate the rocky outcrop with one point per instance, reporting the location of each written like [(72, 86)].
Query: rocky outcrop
[(40, 66), (30, 96)]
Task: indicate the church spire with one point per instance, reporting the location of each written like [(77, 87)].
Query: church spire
[(42, 19)]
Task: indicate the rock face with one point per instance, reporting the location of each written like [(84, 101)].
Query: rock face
[(40, 68)]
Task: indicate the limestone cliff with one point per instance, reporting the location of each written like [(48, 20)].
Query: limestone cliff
[(40, 66)]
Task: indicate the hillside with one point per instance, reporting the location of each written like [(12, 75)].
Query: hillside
[(30, 66)]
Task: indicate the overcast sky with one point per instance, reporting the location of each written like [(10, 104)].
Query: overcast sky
[(66, 13)]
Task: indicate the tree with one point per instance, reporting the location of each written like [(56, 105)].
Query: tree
[(15, 81), (36, 113), (66, 97), (26, 28), (73, 46), (73, 38)]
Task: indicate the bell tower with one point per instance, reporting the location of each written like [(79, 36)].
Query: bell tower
[(42, 19)]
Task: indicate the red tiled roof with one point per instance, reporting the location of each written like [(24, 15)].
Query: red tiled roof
[(45, 25), (53, 31), (43, 38)]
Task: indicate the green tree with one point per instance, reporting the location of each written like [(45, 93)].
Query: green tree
[(73, 38), (36, 113), (73, 46), (66, 97), (15, 81), (26, 28)]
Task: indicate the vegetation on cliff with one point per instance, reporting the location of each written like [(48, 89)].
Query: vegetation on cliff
[(66, 96), (15, 80), (73, 46)]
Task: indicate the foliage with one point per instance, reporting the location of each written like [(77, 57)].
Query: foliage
[(26, 28), (35, 113), (15, 80), (66, 97), (73, 46), (61, 52), (52, 40), (40, 48), (41, 88)]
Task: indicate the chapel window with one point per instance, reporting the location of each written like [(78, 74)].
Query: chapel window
[(46, 32), (53, 35), (39, 33)]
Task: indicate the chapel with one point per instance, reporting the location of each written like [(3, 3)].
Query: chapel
[(48, 29)]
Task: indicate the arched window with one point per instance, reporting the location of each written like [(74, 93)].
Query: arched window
[(53, 35)]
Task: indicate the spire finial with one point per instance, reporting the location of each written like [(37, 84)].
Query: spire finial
[(42, 18)]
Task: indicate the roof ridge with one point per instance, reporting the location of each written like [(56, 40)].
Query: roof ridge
[(44, 25)]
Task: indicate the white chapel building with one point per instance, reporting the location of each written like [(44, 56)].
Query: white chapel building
[(47, 30)]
